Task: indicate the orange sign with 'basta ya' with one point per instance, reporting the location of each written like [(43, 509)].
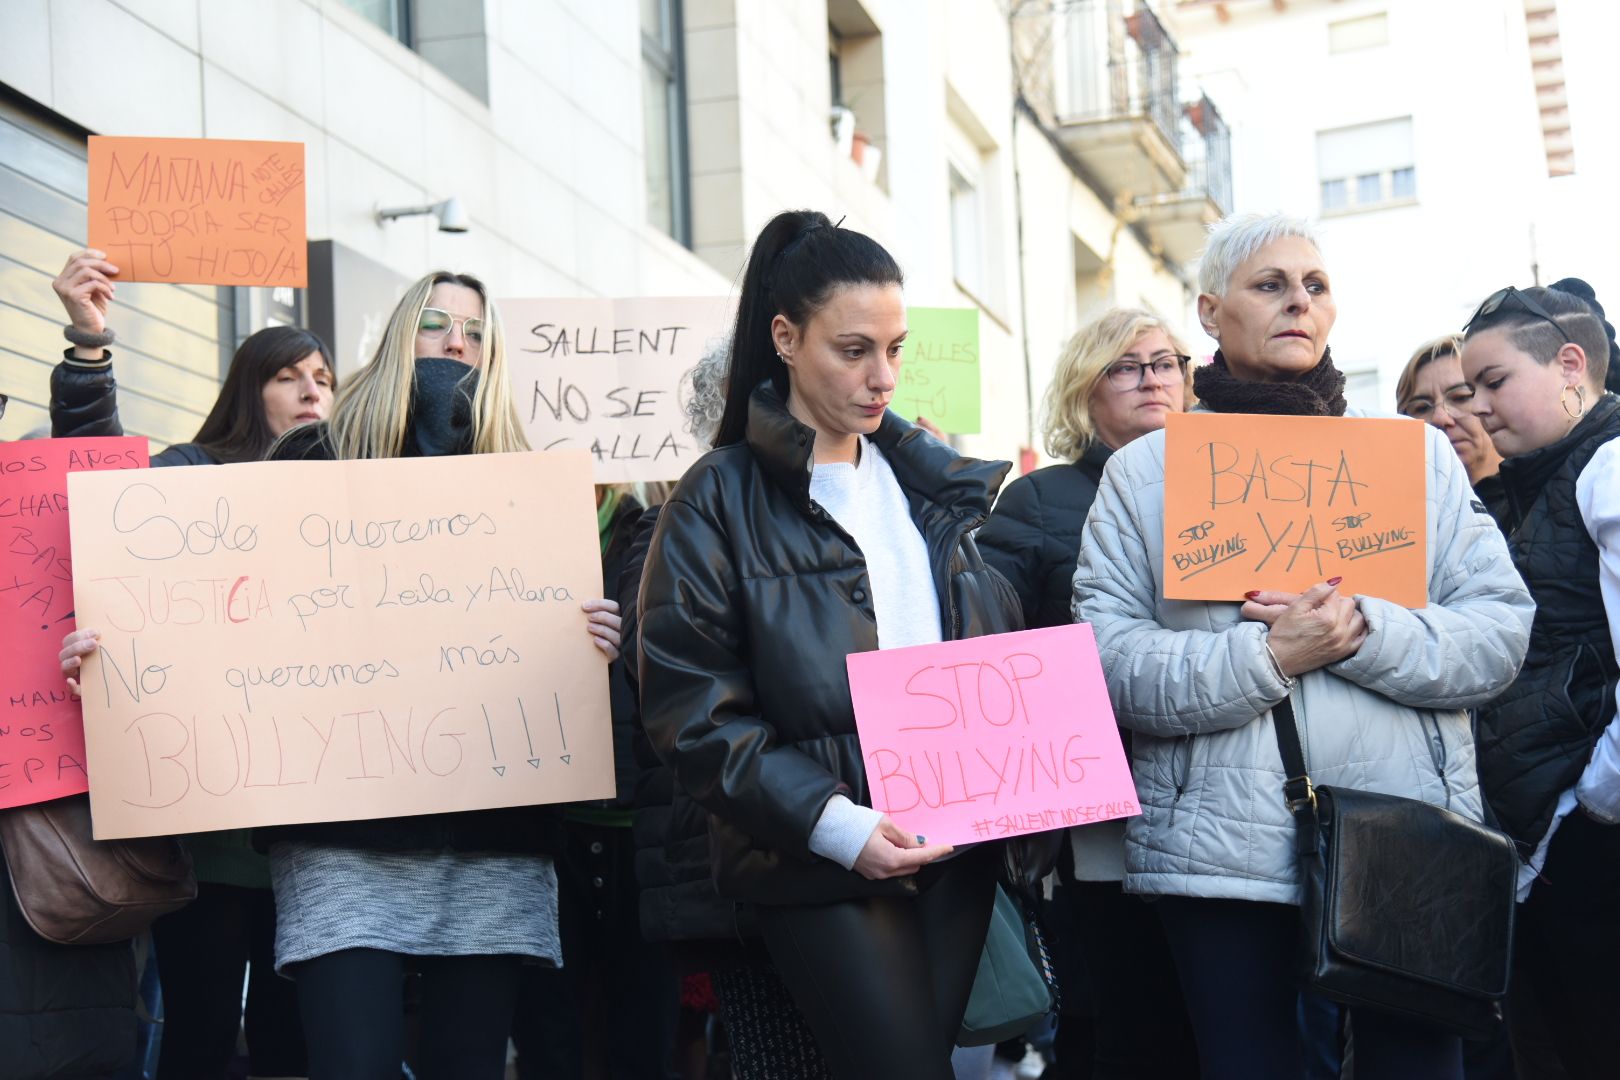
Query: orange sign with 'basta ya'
[(200, 211), (1287, 502)]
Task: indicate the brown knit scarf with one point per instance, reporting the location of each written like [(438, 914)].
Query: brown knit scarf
[(1318, 392)]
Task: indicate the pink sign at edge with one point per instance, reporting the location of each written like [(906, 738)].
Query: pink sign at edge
[(991, 737), (42, 728)]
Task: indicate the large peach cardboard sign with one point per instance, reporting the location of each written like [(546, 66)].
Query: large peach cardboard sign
[(316, 641), (1287, 502)]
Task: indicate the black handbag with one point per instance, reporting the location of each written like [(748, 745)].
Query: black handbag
[(1407, 907)]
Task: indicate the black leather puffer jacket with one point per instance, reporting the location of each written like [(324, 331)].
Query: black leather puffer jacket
[(84, 403), (751, 599)]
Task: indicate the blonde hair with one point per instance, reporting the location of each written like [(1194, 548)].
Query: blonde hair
[(370, 416), (1066, 420), (1441, 347)]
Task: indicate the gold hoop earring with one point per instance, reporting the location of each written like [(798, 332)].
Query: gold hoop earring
[(1580, 401)]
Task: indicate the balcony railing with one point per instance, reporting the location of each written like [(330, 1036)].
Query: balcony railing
[(1139, 77), (1207, 147)]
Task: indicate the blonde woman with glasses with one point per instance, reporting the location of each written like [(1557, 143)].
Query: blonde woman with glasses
[(465, 898), (1117, 379), (1433, 389)]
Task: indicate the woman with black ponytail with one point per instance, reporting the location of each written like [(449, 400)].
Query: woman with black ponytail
[(822, 525)]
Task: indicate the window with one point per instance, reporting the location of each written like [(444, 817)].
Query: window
[(1335, 195), (1367, 166), (393, 17), (1362, 32), (663, 102), (1403, 183), (856, 85), (967, 234)]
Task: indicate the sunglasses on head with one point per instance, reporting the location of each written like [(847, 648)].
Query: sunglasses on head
[(1494, 303), (436, 323)]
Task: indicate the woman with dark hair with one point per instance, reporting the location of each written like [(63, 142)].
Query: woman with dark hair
[(1549, 746), (279, 378), (1379, 693), (822, 525)]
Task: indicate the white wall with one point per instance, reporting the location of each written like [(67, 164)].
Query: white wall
[(1459, 68), (551, 168)]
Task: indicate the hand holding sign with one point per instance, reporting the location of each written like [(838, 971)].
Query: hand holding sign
[(85, 288), (891, 852), (200, 211), (1310, 631), (1287, 502)]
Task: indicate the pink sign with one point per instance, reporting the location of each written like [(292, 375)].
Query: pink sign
[(991, 737), (41, 727)]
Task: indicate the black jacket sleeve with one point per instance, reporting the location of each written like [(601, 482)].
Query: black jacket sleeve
[(84, 399), (699, 703), (629, 592), (1012, 540)]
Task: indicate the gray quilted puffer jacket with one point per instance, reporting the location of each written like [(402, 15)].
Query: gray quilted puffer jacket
[(1193, 680)]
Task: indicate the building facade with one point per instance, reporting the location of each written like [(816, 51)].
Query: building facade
[(1411, 131), (612, 148)]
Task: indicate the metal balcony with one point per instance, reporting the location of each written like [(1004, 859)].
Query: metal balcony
[(1116, 95), (1178, 221)]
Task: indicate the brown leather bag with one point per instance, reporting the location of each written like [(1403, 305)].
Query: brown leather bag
[(77, 891)]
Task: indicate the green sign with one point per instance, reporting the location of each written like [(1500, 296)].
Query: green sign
[(939, 376)]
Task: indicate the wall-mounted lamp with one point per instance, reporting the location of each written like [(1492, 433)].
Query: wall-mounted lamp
[(451, 214)]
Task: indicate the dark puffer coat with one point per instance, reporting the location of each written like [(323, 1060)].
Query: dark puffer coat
[(84, 403), (1535, 739), (65, 1010), (751, 599), (1033, 535), (678, 901)]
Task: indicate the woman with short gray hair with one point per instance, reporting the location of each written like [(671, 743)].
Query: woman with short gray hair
[(1379, 692)]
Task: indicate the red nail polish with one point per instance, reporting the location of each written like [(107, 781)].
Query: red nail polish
[(1251, 594), (1334, 580)]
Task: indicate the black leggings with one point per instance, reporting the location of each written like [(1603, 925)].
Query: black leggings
[(202, 952), (883, 982), (1236, 959), (354, 1016), (1567, 945)]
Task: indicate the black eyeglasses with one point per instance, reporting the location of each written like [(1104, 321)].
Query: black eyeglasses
[(4, 400), (1493, 303), (1127, 375)]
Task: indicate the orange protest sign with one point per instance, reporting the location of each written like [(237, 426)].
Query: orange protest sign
[(1286, 502), (299, 641), (200, 211)]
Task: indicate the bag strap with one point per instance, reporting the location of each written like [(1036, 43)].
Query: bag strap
[(1298, 791)]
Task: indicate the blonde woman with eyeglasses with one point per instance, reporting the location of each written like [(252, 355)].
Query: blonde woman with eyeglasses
[(1117, 379), (465, 898), (1433, 389)]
